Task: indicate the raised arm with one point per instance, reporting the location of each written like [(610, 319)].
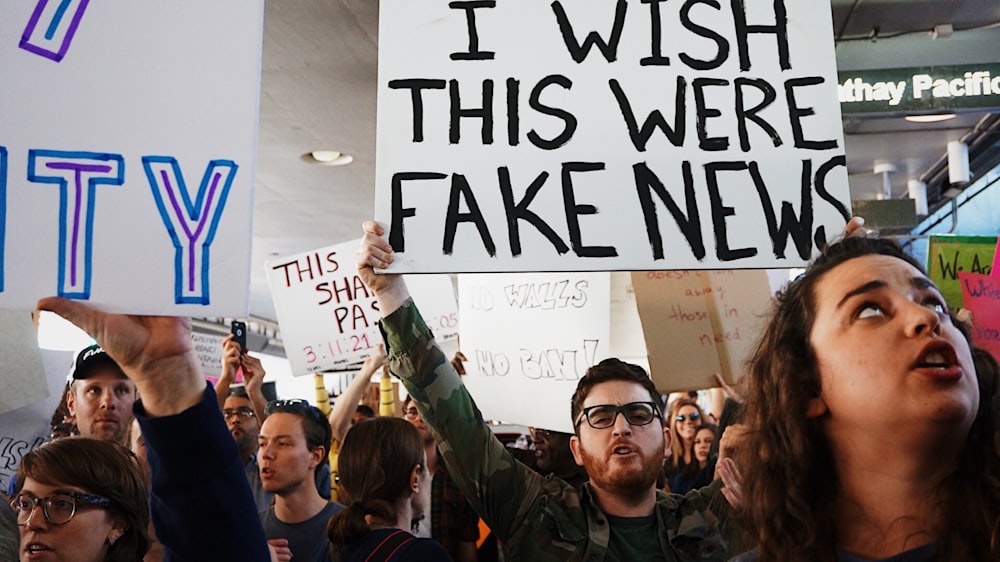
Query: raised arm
[(191, 453), (230, 362), (253, 375), (347, 402)]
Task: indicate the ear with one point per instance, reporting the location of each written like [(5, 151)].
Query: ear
[(667, 439), (71, 401), (575, 447), (816, 408), (116, 531), (318, 454), (415, 479)]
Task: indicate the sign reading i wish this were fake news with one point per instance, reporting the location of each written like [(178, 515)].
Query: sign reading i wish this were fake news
[(599, 135), (128, 133)]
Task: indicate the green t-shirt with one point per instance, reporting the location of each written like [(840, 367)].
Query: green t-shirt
[(633, 539)]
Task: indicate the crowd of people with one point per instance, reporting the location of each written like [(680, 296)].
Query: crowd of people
[(867, 431)]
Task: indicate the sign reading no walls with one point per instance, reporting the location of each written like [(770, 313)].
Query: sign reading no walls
[(595, 135)]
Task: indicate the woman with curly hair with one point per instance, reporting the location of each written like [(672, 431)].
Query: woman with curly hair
[(870, 435), (685, 419)]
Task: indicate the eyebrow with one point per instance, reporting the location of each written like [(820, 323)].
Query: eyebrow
[(917, 282)]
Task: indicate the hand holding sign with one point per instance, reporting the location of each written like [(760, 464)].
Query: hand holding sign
[(374, 254)]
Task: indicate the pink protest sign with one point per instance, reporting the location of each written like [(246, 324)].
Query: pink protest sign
[(982, 297)]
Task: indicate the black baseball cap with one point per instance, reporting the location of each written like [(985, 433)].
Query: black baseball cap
[(90, 359)]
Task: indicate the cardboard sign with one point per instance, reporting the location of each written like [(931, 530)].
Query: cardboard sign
[(697, 323), (529, 338), (329, 319), (982, 297), (127, 153), (948, 256), (26, 428), (598, 135), (24, 375)]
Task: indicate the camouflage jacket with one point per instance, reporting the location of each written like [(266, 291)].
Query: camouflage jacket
[(536, 518)]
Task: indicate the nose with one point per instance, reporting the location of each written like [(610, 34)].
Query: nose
[(266, 452), (36, 523), (922, 320), (107, 400), (622, 427)]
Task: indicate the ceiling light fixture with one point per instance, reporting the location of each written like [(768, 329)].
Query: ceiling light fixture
[(933, 118), (328, 158)]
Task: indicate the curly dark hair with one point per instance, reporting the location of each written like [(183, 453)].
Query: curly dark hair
[(787, 462)]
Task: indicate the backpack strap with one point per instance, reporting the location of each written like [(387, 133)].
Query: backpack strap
[(389, 546)]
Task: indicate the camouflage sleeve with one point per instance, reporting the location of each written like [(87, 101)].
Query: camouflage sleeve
[(500, 489)]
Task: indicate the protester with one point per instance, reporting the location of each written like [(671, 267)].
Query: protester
[(201, 504), (345, 410), (100, 396), (685, 418), (82, 500), (620, 440), (870, 436), (383, 468), (698, 472)]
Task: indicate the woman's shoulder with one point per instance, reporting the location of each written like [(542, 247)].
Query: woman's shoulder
[(421, 549)]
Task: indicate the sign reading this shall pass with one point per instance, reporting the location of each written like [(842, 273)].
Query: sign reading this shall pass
[(329, 318), (127, 146), (600, 135)]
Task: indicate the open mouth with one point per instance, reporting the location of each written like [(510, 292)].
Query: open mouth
[(937, 355)]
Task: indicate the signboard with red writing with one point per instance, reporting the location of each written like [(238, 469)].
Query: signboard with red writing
[(982, 297)]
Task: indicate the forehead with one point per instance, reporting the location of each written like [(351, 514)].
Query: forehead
[(105, 376), (616, 392), (236, 402), (687, 408), (42, 489), (854, 273), (281, 423)]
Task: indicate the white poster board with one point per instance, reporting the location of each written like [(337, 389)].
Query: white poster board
[(329, 319), (26, 428), (529, 339), (127, 153), (208, 348), (600, 135)]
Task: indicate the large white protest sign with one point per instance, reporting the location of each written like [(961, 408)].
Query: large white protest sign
[(127, 151), (529, 339), (329, 319), (26, 428), (599, 135)]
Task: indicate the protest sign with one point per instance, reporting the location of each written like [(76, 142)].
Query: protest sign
[(948, 256), (697, 323), (24, 375), (26, 428), (981, 294), (329, 319), (529, 338), (208, 348), (127, 153), (597, 135)]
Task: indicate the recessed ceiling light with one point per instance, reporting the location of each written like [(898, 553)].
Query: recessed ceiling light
[(934, 118), (328, 158)]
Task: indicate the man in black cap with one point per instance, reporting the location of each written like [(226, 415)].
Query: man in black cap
[(100, 396)]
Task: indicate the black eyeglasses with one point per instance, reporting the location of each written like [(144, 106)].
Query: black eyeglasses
[(295, 406), (58, 508), (244, 413), (693, 416), (603, 416)]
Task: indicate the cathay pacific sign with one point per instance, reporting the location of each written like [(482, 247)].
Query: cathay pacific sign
[(906, 90)]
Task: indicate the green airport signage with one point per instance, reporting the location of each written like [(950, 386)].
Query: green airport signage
[(920, 89)]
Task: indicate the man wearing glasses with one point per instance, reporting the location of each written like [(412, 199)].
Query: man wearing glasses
[(619, 439)]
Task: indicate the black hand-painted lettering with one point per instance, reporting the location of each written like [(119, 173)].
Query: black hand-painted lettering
[(799, 228), (573, 211), (720, 211), (470, 8), (460, 189), (820, 182), (704, 113), (580, 51), (655, 120), (779, 29), (519, 211), (396, 238), (796, 113), (721, 44), (568, 118), (689, 225), (513, 112), (484, 112), (656, 57), (743, 114), (416, 86)]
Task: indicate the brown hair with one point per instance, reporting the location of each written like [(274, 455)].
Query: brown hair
[(611, 370), (103, 468), (374, 466), (787, 462), (676, 443)]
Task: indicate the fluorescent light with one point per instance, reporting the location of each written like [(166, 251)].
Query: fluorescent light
[(329, 158), (933, 118)]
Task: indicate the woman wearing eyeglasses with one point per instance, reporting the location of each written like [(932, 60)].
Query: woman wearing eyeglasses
[(685, 418), (81, 500), (870, 435)]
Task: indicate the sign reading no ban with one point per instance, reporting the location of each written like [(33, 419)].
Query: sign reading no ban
[(599, 135)]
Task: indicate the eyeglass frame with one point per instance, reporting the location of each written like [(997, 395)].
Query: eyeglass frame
[(619, 409), (78, 498), (243, 412)]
